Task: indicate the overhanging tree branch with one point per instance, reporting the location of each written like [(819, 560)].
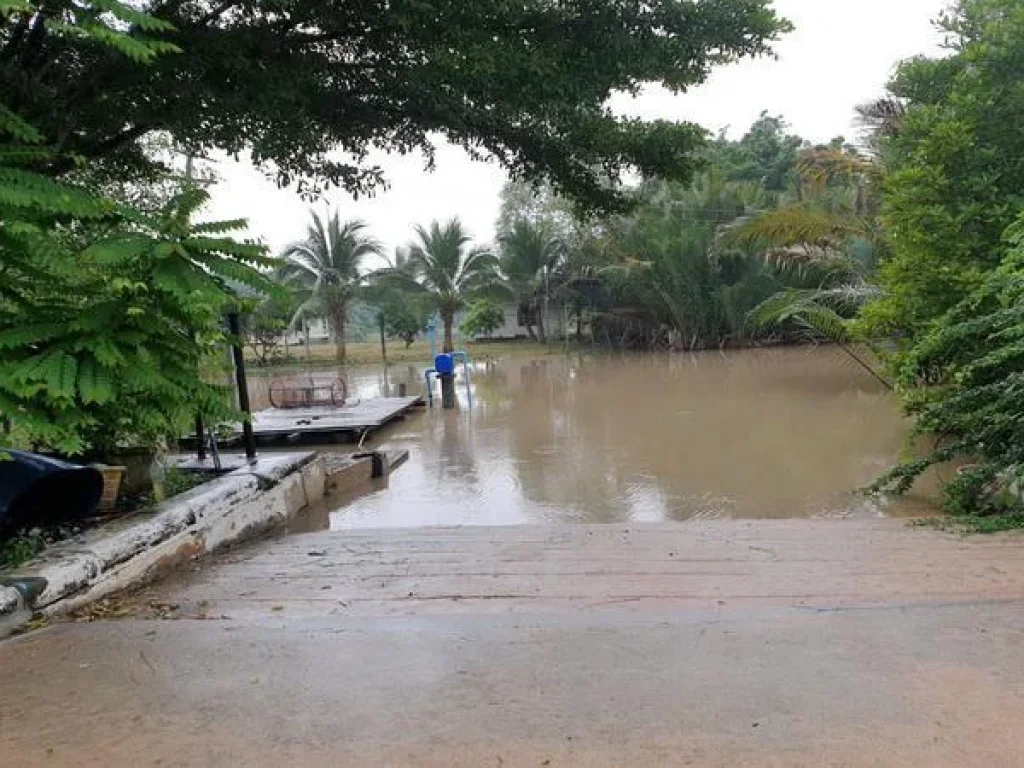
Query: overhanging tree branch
[(105, 147)]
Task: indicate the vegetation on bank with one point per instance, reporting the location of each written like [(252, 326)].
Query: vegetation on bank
[(769, 241), (912, 243), (951, 305), (111, 295), (109, 307)]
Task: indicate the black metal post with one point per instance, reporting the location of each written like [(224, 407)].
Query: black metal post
[(235, 328), (200, 438)]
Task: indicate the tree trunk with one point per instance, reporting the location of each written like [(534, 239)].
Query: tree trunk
[(525, 313), (340, 314), (541, 333), (579, 326), (448, 319), (383, 344)]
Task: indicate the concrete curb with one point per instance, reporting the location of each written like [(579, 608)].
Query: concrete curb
[(127, 552)]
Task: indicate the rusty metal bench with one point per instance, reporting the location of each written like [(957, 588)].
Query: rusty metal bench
[(304, 393)]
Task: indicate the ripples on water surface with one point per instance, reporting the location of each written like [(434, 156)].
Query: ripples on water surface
[(602, 439)]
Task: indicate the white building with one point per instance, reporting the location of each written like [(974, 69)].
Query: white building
[(319, 332), (513, 327)]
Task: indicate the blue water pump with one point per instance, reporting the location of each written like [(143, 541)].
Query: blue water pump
[(444, 365)]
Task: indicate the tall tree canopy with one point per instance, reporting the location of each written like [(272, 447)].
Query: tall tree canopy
[(766, 154), (954, 155), (294, 81), (108, 315)]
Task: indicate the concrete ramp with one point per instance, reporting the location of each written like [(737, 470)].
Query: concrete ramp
[(711, 567), (713, 644)]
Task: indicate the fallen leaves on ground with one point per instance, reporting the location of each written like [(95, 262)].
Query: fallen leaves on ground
[(111, 608), (103, 609), (38, 621)]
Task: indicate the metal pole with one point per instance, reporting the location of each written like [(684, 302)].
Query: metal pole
[(200, 438), (235, 328), (200, 427), (430, 388), (432, 334), (215, 452), (544, 309)]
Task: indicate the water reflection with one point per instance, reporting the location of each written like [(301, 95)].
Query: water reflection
[(602, 439)]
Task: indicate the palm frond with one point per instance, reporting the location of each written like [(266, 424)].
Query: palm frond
[(795, 231), (806, 309)]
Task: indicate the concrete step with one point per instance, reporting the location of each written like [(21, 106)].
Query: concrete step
[(708, 566)]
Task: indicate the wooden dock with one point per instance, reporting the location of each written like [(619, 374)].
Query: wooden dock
[(323, 422), (319, 424), (340, 467)]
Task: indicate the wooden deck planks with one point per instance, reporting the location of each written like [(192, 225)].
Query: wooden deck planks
[(362, 416)]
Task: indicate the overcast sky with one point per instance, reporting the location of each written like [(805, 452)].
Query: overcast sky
[(841, 53)]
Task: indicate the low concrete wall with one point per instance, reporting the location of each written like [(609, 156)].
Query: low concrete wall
[(127, 552), (344, 474)]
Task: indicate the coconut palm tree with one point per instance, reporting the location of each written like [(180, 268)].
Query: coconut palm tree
[(833, 235), (326, 268), (450, 270), (529, 255)]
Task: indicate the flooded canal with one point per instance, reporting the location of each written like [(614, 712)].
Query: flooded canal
[(600, 439)]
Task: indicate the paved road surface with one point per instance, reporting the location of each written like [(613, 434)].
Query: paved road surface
[(766, 643)]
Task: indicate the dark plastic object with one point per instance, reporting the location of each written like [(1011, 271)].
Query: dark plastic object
[(37, 490)]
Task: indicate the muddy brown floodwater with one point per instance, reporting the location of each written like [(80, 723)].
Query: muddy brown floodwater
[(782, 433)]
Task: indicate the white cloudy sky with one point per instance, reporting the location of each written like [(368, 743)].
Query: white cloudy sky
[(840, 54)]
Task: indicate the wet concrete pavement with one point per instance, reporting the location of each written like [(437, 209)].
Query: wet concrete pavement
[(762, 643)]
